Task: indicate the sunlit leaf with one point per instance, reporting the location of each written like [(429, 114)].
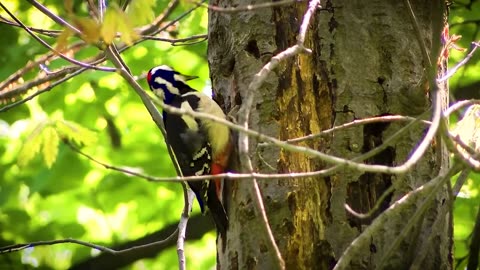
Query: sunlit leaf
[(90, 28), (141, 12), (50, 145), (75, 133), (117, 21), (62, 40), (126, 29), (109, 26), (31, 146)]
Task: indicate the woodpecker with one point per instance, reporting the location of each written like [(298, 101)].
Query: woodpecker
[(201, 146)]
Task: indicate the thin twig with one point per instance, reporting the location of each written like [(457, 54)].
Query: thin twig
[(186, 41), (418, 34), (250, 7), (437, 226), (460, 181), (419, 212), (182, 225), (431, 133), (427, 192), (459, 105), (54, 17), (45, 44), (19, 247), (464, 61), (33, 64), (153, 27), (46, 89), (374, 209), (237, 176), (46, 32), (244, 115), (314, 153), (356, 122)]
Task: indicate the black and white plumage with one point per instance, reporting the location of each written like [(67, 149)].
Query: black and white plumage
[(201, 146)]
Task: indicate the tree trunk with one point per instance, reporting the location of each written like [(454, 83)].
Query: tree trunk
[(366, 61)]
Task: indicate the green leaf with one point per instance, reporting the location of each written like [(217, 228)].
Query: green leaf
[(117, 21), (62, 40), (31, 146), (90, 29), (125, 27), (75, 132), (50, 145), (109, 26), (141, 12)]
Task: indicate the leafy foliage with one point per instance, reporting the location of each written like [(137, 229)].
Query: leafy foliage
[(48, 191)]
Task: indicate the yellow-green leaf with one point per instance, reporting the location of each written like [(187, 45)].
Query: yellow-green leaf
[(116, 21), (126, 29), (62, 40), (141, 12), (109, 26), (31, 146), (50, 145), (76, 133), (89, 27)]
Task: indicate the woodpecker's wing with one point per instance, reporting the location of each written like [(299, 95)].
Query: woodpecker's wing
[(190, 144), (188, 140)]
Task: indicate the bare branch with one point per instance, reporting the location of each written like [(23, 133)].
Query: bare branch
[(460, 181), (52, 16), (314, 153), (31, 65), (44, 43), (427, 192), (182, 225), (183, 41), (459, 105), (47, 32), (418, 33), (250, 7), (19, 247), (375, 208), (46, 89), (356, 122), (453, 70), (154, 27)]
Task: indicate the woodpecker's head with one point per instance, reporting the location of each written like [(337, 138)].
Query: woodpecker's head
[(166, 82)]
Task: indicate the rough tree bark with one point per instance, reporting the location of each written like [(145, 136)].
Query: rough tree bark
[(366, 61)]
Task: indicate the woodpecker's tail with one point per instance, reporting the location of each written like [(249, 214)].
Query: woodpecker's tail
[(217, 211)]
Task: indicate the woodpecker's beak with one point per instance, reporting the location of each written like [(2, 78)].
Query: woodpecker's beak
[(188, 77)]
